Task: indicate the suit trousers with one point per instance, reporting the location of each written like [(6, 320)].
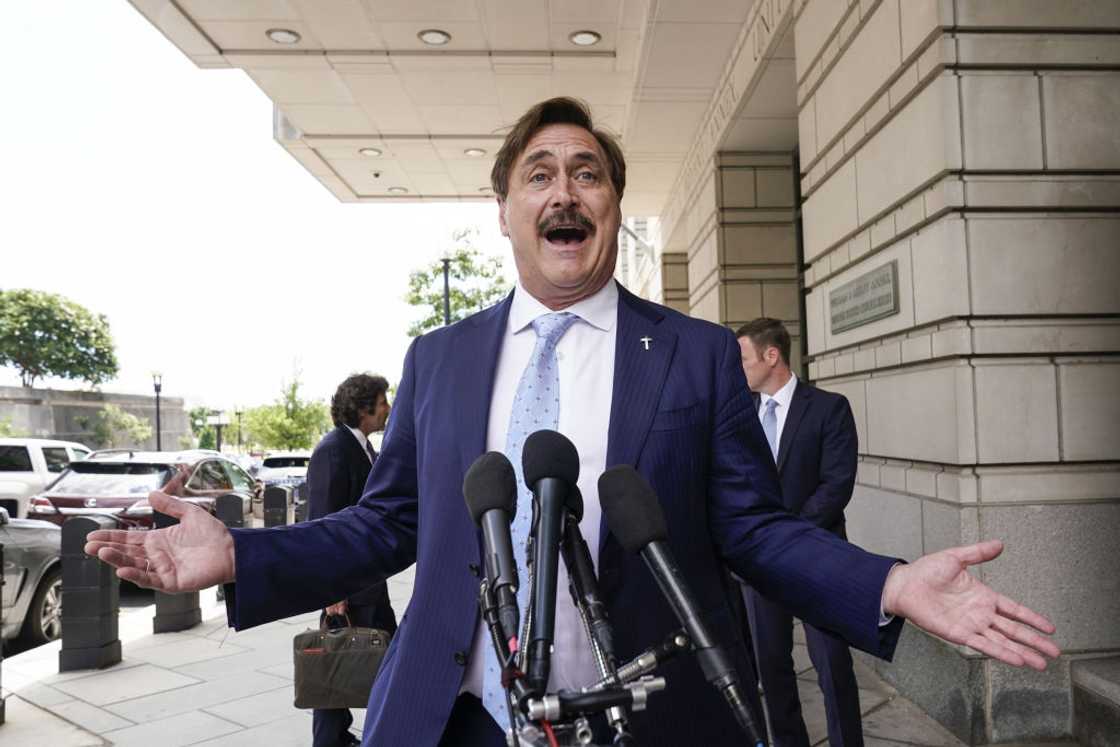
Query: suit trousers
[(330, 727), (772, 632)]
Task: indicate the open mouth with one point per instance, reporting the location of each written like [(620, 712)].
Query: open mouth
[(566, 235)]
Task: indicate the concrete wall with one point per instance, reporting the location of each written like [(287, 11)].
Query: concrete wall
[(976, 144), (51, 413)]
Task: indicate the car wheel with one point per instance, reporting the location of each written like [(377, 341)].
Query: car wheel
[(44, 616)]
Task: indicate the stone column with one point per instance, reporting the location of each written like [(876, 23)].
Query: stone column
[(742, 243), (971, 148)]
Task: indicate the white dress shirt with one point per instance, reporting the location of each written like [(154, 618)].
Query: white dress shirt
[(585, 355), (362, 441), (783, 396)]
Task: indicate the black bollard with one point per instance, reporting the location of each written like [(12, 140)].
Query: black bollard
[(91, 599), (276, 501), (302, 494), (230, 508), (174, 611)]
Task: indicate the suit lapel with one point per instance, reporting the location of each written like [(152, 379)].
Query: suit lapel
[(475, 361), (643, 352), (797, 407)]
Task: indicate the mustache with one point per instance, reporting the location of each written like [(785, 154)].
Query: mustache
[(566, 217)]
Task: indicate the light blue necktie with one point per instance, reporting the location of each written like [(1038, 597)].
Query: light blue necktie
[(535, 407), (770, 426)]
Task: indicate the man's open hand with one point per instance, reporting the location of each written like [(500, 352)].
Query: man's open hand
[(938, 594), (194, 554)]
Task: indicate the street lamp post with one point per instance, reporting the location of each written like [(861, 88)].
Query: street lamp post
[(238, 413), (218, 420), (446, 291), (157, 384)]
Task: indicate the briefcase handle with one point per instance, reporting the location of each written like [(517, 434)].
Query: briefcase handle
[(326, 624)]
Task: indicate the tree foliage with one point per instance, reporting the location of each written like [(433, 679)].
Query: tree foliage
[(7, 430), (44, 334), (207, 437), (112, 427), (290, 422), (476, 282)]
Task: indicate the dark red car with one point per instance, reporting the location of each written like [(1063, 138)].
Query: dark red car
[(116, 483)]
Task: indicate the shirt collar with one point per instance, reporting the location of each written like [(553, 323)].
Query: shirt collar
[(362, 440), (600, 310), (783, 395)]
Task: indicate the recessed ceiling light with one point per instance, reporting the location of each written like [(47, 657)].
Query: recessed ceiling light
[(585, 38), (434, 37), (474, 152), (283, 36), (370, 152), (398, 191)]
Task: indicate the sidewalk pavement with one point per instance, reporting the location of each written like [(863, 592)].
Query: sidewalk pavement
[(212, 686)]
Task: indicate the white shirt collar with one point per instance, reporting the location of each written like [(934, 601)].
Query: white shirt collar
[(599, 310), (362, 440), (783, 395)]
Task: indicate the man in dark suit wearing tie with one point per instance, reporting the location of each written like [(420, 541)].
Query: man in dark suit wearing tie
[(336, 477), (812, 436), (632, 383)]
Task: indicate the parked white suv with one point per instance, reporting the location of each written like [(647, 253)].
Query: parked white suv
[(27, 465)]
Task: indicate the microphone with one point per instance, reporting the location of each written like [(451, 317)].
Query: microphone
[(551, 467), (490, 489), (635, 518), (581, 574)]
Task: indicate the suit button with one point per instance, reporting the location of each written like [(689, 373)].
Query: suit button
[(475, 570), (461, 658)]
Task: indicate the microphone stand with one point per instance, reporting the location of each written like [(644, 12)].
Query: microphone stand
[(488, 606)]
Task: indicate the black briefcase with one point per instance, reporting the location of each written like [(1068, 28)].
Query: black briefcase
[(335, 668)]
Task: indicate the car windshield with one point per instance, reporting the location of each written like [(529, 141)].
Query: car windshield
[(279, 462), (93, 479)]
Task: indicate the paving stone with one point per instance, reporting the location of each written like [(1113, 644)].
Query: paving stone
[(255, 710), (43, 696), (114, 686), (27, 724), (201, 695), (186, 728), (187, 651), (293, 731), (90, 717), (903, 721)]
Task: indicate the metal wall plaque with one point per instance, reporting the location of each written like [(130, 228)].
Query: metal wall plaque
[(871, 296)]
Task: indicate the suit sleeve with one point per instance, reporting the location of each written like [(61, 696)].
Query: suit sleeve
[(819, 577), (839, 455), (328, 481), (284, 571)]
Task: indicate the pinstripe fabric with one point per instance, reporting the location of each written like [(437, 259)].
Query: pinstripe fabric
[(680, 413)]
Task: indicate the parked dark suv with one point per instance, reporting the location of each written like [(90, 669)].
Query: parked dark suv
[(116, 483)]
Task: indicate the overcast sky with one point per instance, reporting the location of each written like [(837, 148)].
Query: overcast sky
[(152, 192)]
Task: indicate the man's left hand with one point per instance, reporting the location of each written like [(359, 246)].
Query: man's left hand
[(337, 609), (939, 595)]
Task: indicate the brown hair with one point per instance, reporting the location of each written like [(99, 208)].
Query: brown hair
[(765, 332), (560, 110)]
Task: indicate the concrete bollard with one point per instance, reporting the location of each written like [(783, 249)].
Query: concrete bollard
[(276, 501), (91, 600), (174, 611)]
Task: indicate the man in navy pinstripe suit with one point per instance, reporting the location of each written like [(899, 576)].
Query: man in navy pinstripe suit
[(678, 411)]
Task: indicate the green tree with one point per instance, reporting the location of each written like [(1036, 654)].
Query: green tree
[(290, 422), (476, 282), (207, 437), (7, 430), (44, 334), (112, 427)]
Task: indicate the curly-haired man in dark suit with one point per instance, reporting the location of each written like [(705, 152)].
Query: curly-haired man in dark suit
[(336, 477)]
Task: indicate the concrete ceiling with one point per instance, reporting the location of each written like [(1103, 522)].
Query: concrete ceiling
[(359, 77)]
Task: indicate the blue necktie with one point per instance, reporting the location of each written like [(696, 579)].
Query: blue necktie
[(770, 426), (535, 407)]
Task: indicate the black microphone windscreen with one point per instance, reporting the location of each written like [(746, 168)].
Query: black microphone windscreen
[(490, 483), (549, 454), (575, 503), (631, 508)]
